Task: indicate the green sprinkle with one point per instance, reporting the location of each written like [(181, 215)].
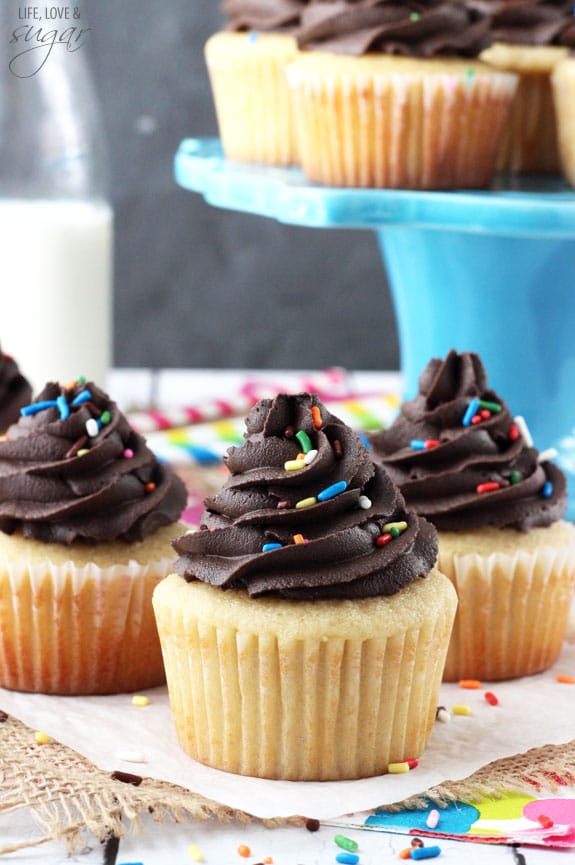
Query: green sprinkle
[(515, 476), (490, 406), (346, 843), (469, 72), (415, 16), (105, 417), (304, 440)]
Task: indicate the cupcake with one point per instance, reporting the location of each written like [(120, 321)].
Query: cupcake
[(305, 629), (529, 38), (563, 85), (393, 95), (246, 65), (87, 515), (15, 391), (463, 461)]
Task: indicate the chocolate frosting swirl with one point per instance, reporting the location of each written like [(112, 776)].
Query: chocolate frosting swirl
[(418, 28), (440, 457), (529, 22), (326, 549), (74, 469), (15, 391), (263, 15)]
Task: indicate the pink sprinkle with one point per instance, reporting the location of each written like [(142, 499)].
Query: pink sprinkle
[(128, 453)]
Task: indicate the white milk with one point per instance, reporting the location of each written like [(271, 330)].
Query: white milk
[(56, 289)]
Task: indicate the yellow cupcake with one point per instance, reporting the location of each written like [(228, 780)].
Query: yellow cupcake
[(251, 96)]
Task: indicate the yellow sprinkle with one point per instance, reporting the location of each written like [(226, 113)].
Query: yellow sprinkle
[(460, 710), (82, 451), (294, 465), (400, 526), (397, 768), (41, 738), (195, 853), (306, 503), (140, 700)]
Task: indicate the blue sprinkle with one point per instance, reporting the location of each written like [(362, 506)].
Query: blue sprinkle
[(547, 490), (252, 36), (348, 858), (35, 407), (267, 547), (83, 396), (364, 440), (425, 852), (470, 411), (417, 444), (332, 491), (63, 407)]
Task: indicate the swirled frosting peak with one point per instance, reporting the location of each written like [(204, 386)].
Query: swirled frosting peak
[(529, 22), (72, 469), (418, 28), (305, 513), (15, 391), (462, 460), (263, 15)]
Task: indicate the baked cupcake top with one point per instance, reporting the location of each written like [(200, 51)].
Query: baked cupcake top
[(305, 513), (72, 469), (15, 391), (462, 460), (263, 15), (417, 28)]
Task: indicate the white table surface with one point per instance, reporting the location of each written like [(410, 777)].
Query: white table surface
[(168, 844)]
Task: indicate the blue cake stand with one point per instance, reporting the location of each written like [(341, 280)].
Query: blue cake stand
[(491, 271)]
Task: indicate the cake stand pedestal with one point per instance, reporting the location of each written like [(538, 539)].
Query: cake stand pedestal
[(491, 271)]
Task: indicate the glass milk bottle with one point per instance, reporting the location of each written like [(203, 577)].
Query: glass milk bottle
[(56, 225)]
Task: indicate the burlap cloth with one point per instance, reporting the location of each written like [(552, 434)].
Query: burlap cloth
[(69, 797)]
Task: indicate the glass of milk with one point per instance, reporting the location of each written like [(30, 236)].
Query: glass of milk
[(56, 224)]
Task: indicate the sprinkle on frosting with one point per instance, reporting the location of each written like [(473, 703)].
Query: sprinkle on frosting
[(319, 527), (486, 473)]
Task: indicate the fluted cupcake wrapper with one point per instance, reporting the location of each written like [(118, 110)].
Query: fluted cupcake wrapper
[(251, 96), (529, 141), (275, 703), (513, 611), (70, 629), (380, 125)]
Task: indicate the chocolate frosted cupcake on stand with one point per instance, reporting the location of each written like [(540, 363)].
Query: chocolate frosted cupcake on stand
[(15, 391), (394, 95), (87, 515), (461, 459), (305, 630), (529, 38), (246, 63)]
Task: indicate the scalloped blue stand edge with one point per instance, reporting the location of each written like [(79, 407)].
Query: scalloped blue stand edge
[(491, 271)]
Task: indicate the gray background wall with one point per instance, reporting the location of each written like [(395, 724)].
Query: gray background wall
[(197, 286)]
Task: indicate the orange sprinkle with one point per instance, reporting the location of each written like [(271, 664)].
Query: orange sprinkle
[(150, 487), (4, 438), (300, 457), (298, 539), (566, 680), (268, 860), (469, 683), (316, 417), (244, 850), (405, 854)]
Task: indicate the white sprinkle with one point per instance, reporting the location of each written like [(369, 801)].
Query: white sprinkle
[(309, 457), (92, 427), (432, 819), (443, 715), (364, 503), (524, 430), (131, 756), (549, 454)]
